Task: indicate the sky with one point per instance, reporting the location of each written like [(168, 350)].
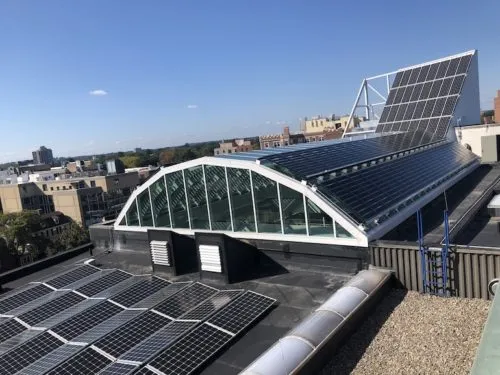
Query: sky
[(94, 76)]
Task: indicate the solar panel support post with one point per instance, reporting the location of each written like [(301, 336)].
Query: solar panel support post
[(444, 253), (422, 251), (368, 106)]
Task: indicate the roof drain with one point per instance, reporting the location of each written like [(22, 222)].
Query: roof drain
[(309, 346)]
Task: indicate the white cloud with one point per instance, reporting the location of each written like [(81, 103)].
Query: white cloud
[(98, 93), (268, 122), (192, 106)]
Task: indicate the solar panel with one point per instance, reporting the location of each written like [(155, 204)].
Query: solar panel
[(25, 354), (162, 294), (45, 311), (214, 303), (87, 319), (240, 313), (102, 329), (139, 291), (130, 334), (159, 341), (21, 298), (185, 300), (191, 351), (306, 164), (435, 81), (95, 287), (370, 191), (88, 361), (145, 371), (51, 360), (10, 329), (118, 369), (72, 276)]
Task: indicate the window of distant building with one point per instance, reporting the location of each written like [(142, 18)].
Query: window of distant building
[(64, 187), (276, 144), (229, 151), (44, 187), (320, 138), (58, 188), (92, 183), (286, 143), (216, 152), (51, 188), (266, 145), (313, 139)]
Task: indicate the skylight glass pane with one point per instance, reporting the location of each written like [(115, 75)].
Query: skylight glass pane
[(177, 196), (218, 198), (145, 216), (197, 198), (292, 207), (160, 203), (132, 218), (341, 231), (320, 224), (241, 199), (266, 204)]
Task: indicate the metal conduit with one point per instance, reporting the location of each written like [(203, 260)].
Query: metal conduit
[(310, 345)]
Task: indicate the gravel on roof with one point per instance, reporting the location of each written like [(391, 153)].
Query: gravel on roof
[(411, 333)]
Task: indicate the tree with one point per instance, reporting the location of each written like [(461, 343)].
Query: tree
[(167, 157), (71, 237), (16, 230), (131, 161)]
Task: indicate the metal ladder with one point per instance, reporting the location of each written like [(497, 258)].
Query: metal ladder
[(434, 260)]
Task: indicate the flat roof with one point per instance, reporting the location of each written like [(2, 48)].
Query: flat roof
[(299, 287)]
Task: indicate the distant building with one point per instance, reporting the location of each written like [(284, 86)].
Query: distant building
[(325, 134), (471, 136), (81, 166), (281, 140), (86, 200), (238, 145), (33, 168), (319, 123), (43, 156), (115, 166)]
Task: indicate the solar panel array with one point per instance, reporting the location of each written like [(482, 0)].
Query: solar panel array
[(112, 335), (193, 350), (306, 164), (424, 98), (368, 192)]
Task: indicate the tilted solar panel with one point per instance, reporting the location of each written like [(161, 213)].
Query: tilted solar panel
[(130, 334), (140, 291), (103, 283), (47, 310), (118, 369), (88, 361), (191, 351), (425, 93), (185, 300), (21, 298), (27, 353), (87, 319), (70, 277)]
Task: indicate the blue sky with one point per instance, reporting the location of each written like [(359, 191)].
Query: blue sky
[(180, 71)]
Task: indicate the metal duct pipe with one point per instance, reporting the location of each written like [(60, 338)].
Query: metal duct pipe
[(309, 346)]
